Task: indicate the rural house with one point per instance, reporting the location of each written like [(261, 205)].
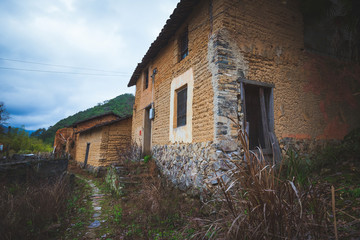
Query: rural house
[(95, 142), (99, 145), (219, 64), (64, 142)]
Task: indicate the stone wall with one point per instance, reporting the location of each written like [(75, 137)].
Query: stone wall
[(190, 167), (32, 168)]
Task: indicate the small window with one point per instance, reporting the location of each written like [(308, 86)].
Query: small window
[(146, 79), (181, 107), (183, 45)]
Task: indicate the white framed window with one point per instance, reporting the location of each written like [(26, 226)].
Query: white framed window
[(181, 99)]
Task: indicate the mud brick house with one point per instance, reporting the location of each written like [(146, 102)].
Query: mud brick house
[(217, 62), (94, 142), (64, 142), (99, 145)]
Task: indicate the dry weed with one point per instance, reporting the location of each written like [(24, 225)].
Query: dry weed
[(28, 210), (253, 202)]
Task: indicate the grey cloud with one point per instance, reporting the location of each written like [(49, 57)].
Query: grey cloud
[(111, 35)]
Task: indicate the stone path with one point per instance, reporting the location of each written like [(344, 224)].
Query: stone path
[(97, 218)]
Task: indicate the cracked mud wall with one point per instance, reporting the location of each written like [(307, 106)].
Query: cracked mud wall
[(315, 102)]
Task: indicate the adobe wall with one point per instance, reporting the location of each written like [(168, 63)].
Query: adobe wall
[(169, 68), (311, 99), (232, 40), (94, 137), (187, 163), (138, 116), (64, 142), (105, 142), (116, 138)]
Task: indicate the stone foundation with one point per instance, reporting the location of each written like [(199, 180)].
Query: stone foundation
[(192, 167), (185, 165)]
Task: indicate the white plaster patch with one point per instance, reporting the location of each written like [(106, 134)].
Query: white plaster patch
[(183, 133)]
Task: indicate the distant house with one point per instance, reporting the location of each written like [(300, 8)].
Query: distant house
[(92, 121), (99, 145), (64, 142), (94, 142), (221, 64)]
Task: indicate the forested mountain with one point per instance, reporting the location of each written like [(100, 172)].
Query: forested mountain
[(121, 105)]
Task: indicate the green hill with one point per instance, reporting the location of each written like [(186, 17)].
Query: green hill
[(121, 105)]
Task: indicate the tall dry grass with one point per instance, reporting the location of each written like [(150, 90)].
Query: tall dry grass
[(253, 202), (32, 210)]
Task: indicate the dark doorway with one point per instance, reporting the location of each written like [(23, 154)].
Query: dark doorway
[(147, 132), (258, 106), (87, 154), (256, 99)]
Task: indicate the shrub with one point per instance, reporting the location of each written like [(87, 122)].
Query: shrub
[(331, 155), (147, 158)]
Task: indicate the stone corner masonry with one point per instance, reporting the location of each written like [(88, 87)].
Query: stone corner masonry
[(192, 166)]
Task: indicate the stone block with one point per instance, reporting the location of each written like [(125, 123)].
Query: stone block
[(228, 145)]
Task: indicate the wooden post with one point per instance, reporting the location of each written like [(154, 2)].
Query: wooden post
[(264, 118), (333, 209)]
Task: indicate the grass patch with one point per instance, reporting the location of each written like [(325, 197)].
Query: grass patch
[(149, 207)]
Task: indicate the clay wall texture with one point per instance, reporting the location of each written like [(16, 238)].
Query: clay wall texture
[(267, 45), (269, 35), (232, 41), (64, 141), (169, 67), (105, 142), (94, 137), (138, 115), (116, 137)]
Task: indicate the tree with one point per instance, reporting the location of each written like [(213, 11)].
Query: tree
[(38, 133), (4, 115)]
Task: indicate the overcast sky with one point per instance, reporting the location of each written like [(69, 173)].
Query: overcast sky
[(58, 57)]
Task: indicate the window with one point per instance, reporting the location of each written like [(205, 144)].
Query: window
[(181, 107), (181, 99), (146, 79), (258, 116), (183, 45)]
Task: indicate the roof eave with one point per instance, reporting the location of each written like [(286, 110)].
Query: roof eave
[(180, 13)]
